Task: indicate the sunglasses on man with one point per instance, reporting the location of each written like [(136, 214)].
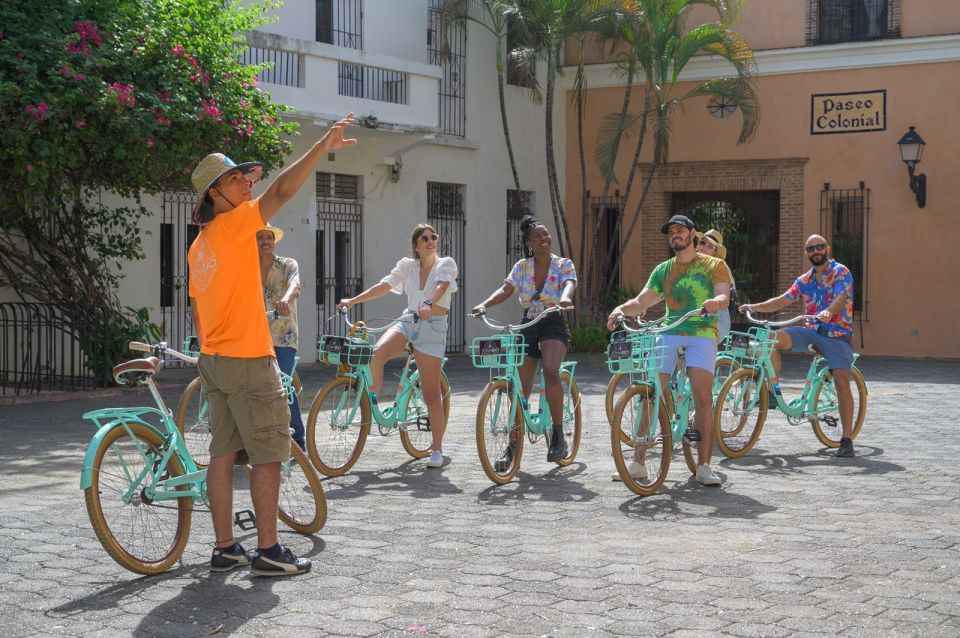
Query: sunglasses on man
[(816, 248)]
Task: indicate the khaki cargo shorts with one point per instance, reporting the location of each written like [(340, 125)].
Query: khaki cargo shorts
[(248, 407)]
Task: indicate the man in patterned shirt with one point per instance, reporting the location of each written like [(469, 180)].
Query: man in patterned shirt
[(827, 291), (687, 281)]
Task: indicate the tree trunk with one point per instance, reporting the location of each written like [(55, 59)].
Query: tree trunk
[(581, 98), (503, 119), (556, 204)]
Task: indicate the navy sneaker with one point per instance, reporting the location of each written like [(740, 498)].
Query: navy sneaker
[(223, 560), (846, 448), (286, 564)]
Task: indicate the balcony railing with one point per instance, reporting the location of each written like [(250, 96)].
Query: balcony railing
[(322, 80), (836, 21)]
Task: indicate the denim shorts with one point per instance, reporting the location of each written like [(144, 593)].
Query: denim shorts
[(837, 350), (428, 337), (698, 352)]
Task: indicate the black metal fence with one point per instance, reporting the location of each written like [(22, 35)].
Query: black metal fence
[(519, 203), (339, 248), (286, 67), (176, 234), (445, 213), (835, 21), (449, 51), (44, 348), (608, 208), (372, 83)]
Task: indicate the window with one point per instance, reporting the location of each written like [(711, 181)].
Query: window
[(338, 186), (844, 216), (340, 22), (521, 66), (834, 21)]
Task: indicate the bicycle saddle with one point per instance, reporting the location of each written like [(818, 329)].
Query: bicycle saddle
[(143, 366)]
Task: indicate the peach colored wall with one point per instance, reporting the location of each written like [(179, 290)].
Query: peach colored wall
[(779, 24), (913, 253)]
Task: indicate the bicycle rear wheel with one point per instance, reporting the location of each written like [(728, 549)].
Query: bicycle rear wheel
[(495, 428), (739, 412), (635, 412), (572, 418), (416, 435), (826, 418), (142, 535), (302, 503), (193, 421), (337, 426)]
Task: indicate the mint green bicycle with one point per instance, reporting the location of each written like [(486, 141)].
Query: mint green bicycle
[(343, 411), (741, 406), (649, 421), (141, 483), (503, 413)]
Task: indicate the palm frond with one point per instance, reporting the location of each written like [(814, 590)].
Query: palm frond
[(613, 129)]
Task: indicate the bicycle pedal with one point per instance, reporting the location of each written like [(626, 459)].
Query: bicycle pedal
[(244, 519), (692, 435)]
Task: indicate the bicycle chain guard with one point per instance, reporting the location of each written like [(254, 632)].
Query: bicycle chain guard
[(244, 519)]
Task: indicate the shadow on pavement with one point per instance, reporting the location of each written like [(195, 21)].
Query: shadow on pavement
[(865, 461), (554, 486), (689, 499), (412, 477)]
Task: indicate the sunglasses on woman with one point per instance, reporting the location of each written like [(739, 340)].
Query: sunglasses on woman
[(425, 238)]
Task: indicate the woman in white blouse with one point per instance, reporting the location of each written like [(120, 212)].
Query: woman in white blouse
[(428, 280)]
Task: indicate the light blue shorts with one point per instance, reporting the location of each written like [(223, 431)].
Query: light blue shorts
[(699, 352), (428, 337)]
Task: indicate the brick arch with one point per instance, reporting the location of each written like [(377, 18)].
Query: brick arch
[(783, 175)]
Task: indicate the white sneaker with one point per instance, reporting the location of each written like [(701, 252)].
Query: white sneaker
[(436, 459), (636, 469), (707, 476)]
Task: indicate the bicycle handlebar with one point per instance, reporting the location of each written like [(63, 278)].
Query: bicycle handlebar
[(514, 327), (778, 324), (652, 327), (375, 331), (160, 349)]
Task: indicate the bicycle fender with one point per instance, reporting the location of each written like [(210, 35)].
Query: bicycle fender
[(86, 473)]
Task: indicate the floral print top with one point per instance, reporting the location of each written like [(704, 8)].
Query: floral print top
[(283, 272), (817, 295), (522, 279)]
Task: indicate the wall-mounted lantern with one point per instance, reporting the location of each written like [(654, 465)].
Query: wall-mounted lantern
[(911, 149)]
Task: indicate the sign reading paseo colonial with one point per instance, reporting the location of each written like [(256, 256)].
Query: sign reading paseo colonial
[(856, 112)]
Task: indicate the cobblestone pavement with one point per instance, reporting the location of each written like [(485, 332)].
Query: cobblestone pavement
[(794, 543)]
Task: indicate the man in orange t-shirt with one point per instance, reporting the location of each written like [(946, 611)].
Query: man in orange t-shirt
[(238, 370)]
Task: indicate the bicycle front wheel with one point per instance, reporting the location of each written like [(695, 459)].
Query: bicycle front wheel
[(496, 428), (572, 420), (142, 535), (302, 503), (337, 426), (644, 464), (826, 409), (739, 412), (193, 421), (415, 433)]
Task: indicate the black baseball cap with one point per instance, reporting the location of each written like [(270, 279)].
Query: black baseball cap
[(683, 220)]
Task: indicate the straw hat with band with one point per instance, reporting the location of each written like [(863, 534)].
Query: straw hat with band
[(277, 232), (715, 238), (210, 169)]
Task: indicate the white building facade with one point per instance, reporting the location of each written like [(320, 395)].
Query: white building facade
[(431, 149)]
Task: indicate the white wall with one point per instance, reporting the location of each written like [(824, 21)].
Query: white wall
[(396, 27)]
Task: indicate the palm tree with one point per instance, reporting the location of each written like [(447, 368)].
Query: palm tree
[(662, 50)]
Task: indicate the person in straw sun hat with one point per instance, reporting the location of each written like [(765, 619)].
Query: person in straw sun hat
[(248, 413), (711, 243)]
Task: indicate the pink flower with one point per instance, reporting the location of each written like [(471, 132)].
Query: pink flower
[(29, 168), (38, 112), (124, 93), (255, 81), (210, 108), (178, 51), (186, 171), (66, 71), (79, 123), (79, 77), (249, 130), (205, 77), (164, 96), (150, 143), (88, 32), (192, 60)]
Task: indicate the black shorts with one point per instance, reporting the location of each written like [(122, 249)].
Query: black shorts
[(553, 327)]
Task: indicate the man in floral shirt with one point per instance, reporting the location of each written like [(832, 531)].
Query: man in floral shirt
[(826, 291)]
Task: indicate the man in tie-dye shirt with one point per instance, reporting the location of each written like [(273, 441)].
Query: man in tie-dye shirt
[(827, 292)]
